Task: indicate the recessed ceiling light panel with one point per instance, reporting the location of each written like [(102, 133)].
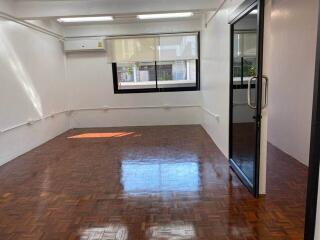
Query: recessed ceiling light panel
[(85, 19), (165, 15)]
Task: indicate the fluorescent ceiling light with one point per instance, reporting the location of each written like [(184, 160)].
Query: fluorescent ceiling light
[(85, 19), (165, 15)]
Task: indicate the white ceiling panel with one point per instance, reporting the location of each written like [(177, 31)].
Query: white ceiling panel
[(31, 9)]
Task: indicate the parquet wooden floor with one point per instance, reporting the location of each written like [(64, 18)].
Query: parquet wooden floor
[(139, 183)]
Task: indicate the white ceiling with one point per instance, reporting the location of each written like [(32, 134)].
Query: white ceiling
[(33, 9)]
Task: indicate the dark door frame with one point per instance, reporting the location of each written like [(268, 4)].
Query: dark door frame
[(240, 12), (314, 158)]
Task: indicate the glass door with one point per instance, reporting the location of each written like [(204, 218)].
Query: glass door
[(245, 93)]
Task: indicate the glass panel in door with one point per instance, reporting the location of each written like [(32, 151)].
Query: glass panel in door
[(245, 65)]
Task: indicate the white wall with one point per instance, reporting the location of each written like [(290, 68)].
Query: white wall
[(215, 75), (291, 74), (32, 76), (6, 6), (91, 82)]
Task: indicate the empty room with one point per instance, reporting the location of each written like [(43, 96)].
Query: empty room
[(159, 119)]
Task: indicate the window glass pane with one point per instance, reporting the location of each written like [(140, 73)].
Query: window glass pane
[(237, 71), (140, 75), (173, 48), (249, 66), (250, 44), (237, 48), (244, 68), (176, 74), (245, 44)]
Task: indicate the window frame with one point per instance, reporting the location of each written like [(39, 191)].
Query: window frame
[(156, 88)]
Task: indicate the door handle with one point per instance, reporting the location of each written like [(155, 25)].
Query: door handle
[(266, 88), (249, 93)]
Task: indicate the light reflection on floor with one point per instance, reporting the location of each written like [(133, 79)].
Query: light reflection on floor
[(160, 175), (172, 232), (109, 232), (160, 232)]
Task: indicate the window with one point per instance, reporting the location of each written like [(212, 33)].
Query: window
[(140, 75), (155, 64), (181, 73)]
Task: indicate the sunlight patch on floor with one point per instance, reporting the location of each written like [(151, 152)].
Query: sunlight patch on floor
[(102, 135)]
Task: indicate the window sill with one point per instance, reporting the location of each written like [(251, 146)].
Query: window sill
[(161, 84)]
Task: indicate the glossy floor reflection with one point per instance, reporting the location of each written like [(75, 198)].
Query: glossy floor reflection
[(173, 231), (160, 175), (158, 183), (244, 150), (109, 232)]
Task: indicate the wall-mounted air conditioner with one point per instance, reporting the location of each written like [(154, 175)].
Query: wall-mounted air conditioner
[(73, 45)]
